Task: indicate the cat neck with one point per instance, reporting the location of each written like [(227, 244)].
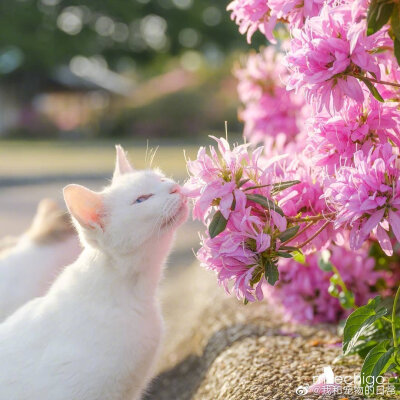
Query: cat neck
[(139, 271)]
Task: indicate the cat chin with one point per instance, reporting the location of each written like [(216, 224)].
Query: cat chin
[(177, 219)]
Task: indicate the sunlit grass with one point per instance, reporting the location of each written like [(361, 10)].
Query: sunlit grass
[(22, 158)]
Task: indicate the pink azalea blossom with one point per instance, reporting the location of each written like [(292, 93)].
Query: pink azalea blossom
[(334, 140), (390, 72), (366, 197), (219, 182), (215, 175), (232, 259), (262, 15), (302, 291), (329, 48), (304, 198), (269, 110), (295, 11), (252, 15)]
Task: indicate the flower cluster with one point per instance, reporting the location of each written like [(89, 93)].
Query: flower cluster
[(234, 194), (304, 200), (303, 289), (262, 15), (333, 140), (295, 11), (269, 111), (328, 55), (252, 15), (328, 177), (366, 196)]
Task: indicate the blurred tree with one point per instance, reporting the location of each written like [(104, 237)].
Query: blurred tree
[(39, 35)]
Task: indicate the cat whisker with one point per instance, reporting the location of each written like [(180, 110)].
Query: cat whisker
[(153, 155), (147, 151)]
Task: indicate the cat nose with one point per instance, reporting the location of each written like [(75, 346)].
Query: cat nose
[(175, 189)]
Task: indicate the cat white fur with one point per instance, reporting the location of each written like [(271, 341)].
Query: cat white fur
[(96, 334), (30, 265)]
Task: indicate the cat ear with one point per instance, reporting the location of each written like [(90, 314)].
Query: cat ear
[(84, 205), (122, 165)]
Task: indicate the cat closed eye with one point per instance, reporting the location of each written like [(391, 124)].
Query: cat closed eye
[(143, 198)]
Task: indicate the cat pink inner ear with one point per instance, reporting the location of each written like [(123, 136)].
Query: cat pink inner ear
[(84, 205), (122, 165)]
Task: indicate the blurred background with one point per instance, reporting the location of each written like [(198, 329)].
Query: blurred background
[(76, 77), (117, 69)]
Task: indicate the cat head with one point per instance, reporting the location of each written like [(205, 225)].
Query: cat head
[(138, 207)]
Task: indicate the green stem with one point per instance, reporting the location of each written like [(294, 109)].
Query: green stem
[(257, 187), (376, 80), (341, 282), (343, 286), (311, 217), (299, 232), (387, 319), (315, 235), (396, 298)]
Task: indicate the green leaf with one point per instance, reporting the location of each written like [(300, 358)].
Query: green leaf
[(217, 225), (376, 363), (242, 182), (372, 88), (397, 50), (267, 203), (271, 272), (257, 275), (381, 330), (359, 321), (363, 351), (395, 21), (284, 255), (289, 248), (289, 233), (277, 187), (378, 15), (299, 257), (324, 265)]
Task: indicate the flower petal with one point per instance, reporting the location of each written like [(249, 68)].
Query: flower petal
[(384, 241), (394, 220)]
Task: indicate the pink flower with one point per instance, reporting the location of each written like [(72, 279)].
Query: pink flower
[(215, 176), (252, 15), (269, 110), (235, 254), (390, 72), (334, 140), (219, 182), (262, 15), (323, 54), (304, 199), (359, 9), (295, 11), (302, 291), (366, 196)]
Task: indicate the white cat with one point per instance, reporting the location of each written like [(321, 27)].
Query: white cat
[(96, 334), (30, 264)]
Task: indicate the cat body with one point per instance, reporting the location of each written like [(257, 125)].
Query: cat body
[(32, 262), (97, 332)]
